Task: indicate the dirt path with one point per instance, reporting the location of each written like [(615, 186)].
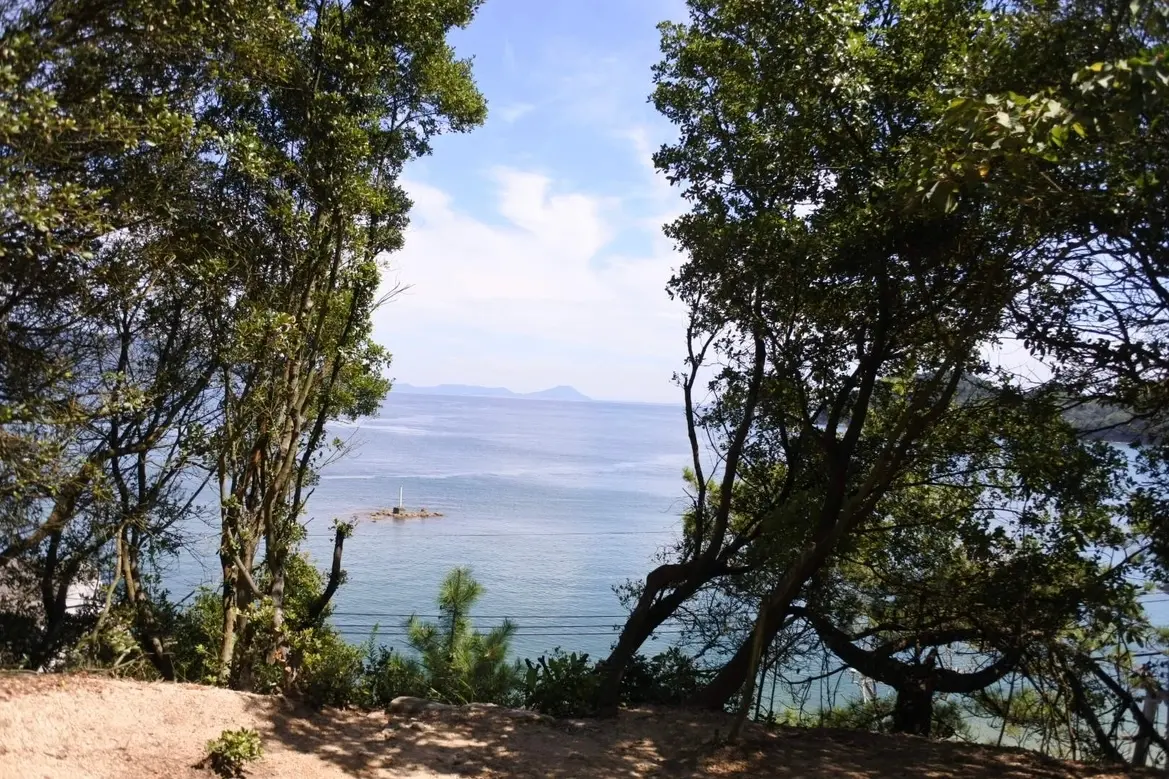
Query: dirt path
[(78, 727)]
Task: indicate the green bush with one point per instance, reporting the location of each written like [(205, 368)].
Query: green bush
[(111, 646), (561, 685), (948, 721), (197, 630), (387, 675), (228, 754), (566, 684), (329, 669), (669, 678)]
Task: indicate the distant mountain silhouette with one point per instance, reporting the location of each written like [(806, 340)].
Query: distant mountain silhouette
[(562, 392)]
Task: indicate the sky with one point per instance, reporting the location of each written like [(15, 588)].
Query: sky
[(535, 255)]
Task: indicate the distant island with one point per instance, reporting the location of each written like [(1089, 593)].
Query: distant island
[(470, 390)]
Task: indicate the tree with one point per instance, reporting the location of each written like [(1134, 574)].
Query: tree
[(1083, 152), (197, 200), (1020, 517), (801, 129), (310, 153), (97, 372), (461, 664), (821, 297)]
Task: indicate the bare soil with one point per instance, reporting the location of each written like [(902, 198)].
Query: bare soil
[(78, 727)]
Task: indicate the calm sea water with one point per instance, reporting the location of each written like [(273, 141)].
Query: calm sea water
[(550, 503)]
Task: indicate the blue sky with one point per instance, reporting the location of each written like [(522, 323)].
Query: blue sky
[(535, 255)]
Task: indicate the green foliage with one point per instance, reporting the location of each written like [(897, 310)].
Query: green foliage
[(197, 198), (461, 664), (387, 675), (561, 685), (566, 684), (330, 670), (229, 754), (949, 718), (668, 678), (196, 632)]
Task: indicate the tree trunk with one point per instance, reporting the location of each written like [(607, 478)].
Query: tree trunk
[(774, 608), (914, 709), (230, 614), (757, 644), (340, 533), (645, 618), (144, 618), (772, 612), (1140, 751), (730, 678), (53, 606), (277, 654)]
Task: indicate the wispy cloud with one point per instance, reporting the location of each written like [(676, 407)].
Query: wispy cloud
[(534, 292), (513, 112)]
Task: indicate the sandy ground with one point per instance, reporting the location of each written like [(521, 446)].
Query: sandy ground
[(78, 727)]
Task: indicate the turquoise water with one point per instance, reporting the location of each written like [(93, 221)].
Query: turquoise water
[(550, 503)]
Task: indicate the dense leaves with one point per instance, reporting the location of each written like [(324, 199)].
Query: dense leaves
[(197, 200)]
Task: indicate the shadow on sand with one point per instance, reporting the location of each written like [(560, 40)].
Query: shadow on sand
[(641, 743)]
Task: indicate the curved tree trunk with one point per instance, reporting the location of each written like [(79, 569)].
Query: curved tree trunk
[(646, 617), (774, 609), (731, 677)]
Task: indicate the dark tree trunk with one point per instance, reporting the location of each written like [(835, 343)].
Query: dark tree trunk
[(647, 616), (336, 573), (730, 678), (913, 711), (53, 595), (773, 612)]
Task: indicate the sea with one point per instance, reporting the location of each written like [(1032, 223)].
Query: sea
[(551, 504)]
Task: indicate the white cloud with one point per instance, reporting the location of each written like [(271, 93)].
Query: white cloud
[(664, 200), (541, 295), (512, 113)]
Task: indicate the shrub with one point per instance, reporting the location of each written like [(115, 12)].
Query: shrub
[(561, 685), (112, 647), (566, 684), (668, 678), (329, 670), (197, 631), (228, 754), (387, 675)]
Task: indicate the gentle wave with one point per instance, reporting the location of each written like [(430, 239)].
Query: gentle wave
[(524, 472)]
